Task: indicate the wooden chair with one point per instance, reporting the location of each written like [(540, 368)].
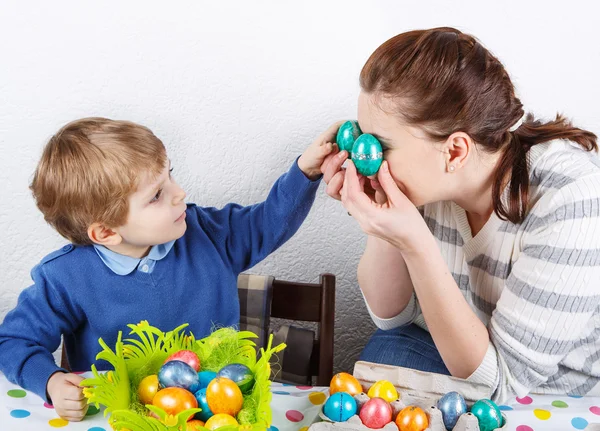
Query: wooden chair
[(306, 302)]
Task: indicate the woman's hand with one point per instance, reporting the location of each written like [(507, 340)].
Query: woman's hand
[(333, 175), (386, 213)]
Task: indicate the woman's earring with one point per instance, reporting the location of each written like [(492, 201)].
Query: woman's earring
[(451, 168)]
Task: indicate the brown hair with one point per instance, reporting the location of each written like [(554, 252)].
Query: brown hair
[(89, 169), (443, 81)]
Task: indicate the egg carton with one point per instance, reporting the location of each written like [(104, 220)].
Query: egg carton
[(417, 388), (466, 422)]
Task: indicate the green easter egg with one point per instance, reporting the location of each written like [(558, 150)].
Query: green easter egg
[(488, 415), (367, 154), (347, 134)]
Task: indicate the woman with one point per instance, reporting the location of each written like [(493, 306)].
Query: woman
[(483, 250)]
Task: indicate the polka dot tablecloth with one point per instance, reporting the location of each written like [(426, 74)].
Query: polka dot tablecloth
[(295, 408)]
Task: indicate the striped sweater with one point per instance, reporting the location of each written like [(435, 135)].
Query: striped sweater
[(535, 285)]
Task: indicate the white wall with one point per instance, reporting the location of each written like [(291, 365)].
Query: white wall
[(237, 90)]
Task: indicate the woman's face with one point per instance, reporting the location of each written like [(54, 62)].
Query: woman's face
[(417, 164)]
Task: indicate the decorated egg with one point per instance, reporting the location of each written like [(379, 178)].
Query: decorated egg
[(344, 382), (205, 377), (206, 413), (383, 389), (367, 155), (224, 396), (174, 400), (488, 415), (240, 374), (340, 407), (147, 389), (452, 405), (347, 134), (220, 420), (178, 374), (412, 418), (194, 425), (376, 413), (186, 356)]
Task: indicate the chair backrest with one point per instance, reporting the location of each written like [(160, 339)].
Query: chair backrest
[(262, 297)]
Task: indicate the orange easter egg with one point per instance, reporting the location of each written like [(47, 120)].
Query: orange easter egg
[(224, 396), (412, 418), (383, 389), (174, 400), (194, 425), (147, 389), (220, 420), (344, 382)]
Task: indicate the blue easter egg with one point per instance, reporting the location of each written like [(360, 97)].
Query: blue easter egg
[(367, 154), (206, 413), (452, 405), (205, 377), (178, 374), (488, 415), (340, 407), (347, 134), (240, 374)]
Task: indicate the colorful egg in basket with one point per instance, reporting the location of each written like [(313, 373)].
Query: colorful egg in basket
[(166, 381)]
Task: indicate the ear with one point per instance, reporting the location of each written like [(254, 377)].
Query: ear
[(102, 235), (457, 149)]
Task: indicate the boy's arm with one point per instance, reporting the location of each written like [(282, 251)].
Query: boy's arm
[(246, 235), (32, 331)]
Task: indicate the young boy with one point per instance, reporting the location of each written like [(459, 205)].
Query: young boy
[(138, 251)]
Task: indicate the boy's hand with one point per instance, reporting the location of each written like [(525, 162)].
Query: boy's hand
[(67, 396), (311, 160)]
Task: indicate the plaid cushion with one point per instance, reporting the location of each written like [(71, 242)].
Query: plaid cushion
[(255, 293), (293, 363)]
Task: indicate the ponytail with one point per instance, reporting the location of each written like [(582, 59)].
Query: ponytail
[(514, 161)]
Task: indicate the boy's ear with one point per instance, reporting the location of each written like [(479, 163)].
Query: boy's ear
[(102, 235)]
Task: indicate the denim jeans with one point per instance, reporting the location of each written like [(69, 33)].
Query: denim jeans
[(407, 346)]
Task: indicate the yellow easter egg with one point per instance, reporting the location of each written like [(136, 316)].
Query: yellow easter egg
[(383, 389), (220, 420), (147, 389)]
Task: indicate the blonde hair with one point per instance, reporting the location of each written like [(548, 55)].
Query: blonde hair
[(89, 169)]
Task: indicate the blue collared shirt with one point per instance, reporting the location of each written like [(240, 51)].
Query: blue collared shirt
[(123, 265)]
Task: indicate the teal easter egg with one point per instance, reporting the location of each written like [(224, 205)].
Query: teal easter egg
[(488, 415), (206, 413), (205, 377), (240, 374), (347, 135), (367, 155), (340, 407)]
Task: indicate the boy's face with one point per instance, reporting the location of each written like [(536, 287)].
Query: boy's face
[(156, 214)]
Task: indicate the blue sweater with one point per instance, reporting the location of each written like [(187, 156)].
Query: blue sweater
[(76, 295)]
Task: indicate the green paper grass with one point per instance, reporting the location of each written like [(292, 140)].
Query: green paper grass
[(135, 358)]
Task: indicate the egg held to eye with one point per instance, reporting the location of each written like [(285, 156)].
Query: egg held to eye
[(347, 135), (367, 155)]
